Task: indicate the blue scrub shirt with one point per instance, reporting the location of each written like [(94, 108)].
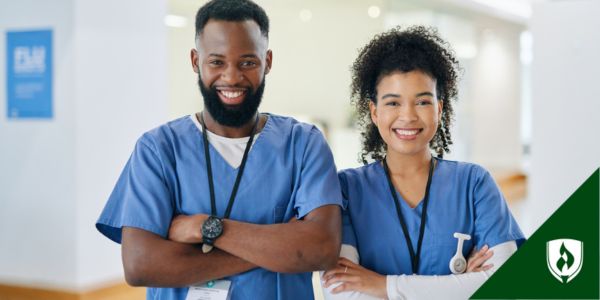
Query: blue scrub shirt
[(289, 172), (463, 198)]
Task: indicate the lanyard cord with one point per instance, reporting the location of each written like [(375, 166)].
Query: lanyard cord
[(414, 258), (213, 205)]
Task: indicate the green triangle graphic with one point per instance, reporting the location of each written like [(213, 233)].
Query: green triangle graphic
[(526, 274)]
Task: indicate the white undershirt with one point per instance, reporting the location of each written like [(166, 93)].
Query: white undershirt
[(231, 149), (403, 287)]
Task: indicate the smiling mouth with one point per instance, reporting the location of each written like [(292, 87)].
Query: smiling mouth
[(232, 96), (407, 134)]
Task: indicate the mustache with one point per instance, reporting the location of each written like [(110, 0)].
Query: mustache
[(233, 116), (231, 86)]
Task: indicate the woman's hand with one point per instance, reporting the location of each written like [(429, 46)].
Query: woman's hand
[(354, 277), (478, 258), (187, 229)]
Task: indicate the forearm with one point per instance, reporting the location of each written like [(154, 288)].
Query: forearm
[(435, 287), (460, 286), (349, 295), (290, 247), (150, 260)]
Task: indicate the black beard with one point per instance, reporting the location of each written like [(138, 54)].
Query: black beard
[(227, 115)]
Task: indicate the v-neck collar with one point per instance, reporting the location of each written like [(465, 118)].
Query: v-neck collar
[(214, 153), (384, 185)]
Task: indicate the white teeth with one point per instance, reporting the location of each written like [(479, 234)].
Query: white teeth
[(406, 132), (230, 94)]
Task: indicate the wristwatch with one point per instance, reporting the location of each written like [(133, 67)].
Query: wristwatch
[(212, 228)]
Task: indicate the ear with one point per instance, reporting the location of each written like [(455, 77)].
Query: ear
[(373, 109), (194, 58), (269, 61)]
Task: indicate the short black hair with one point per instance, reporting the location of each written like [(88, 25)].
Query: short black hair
[(416, 48), (232, 10)]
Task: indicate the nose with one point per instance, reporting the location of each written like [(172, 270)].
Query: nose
[(231, 75), (407, 113)]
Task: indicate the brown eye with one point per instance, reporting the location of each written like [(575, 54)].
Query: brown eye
[(215, 63), (248, 64)]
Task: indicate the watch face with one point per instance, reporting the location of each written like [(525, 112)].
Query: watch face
[(460, 265), (212, 227)]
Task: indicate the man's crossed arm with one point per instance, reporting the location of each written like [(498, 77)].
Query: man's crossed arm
[(307, 245)]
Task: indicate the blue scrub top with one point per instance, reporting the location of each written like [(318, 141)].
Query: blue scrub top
[(289, 172), (463, 198)]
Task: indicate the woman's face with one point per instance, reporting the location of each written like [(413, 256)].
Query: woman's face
[(407, 112)]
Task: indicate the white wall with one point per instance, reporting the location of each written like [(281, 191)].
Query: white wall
[(121, 92), (494, 90), (565, 146), (183, 92), (55, 175), (311, 60), (37, 166)]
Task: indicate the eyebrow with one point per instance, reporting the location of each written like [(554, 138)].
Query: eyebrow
[(243, 56), (398, 96), (390, 96), (424, 94)]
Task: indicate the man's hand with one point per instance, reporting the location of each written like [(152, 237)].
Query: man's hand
[(187, 229), (312, 243), (478, 258)]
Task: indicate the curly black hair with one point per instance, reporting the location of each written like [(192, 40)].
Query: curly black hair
[(232, 10), (414, 48)]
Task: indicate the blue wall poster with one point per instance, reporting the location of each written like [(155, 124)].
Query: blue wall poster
[(29, 74)]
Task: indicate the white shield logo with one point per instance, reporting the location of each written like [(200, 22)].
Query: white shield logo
[(564, 258)]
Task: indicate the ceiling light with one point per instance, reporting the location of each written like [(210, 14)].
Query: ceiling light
[(374, 11), (175, 21), (305, 15)]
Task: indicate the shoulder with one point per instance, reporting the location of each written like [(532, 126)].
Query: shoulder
[(356, 177), (462, 171), (167, 134), (291, 127), (287, 132), (472, 179)]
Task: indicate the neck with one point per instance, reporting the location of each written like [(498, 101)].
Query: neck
[(407, 165), (229, 132)]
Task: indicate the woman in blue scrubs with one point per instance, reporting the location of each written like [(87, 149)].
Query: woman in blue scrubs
[(405, 208)]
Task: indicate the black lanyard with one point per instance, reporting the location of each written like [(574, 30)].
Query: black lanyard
[(213, 205), (414, 258)]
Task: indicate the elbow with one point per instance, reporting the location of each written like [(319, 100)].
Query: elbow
[(327, 253), (322, 256), (330, 256), (134, 273), (134, 281), (139, 253), (329, 263), (135, 266)]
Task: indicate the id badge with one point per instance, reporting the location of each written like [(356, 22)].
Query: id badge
[(211, 290)]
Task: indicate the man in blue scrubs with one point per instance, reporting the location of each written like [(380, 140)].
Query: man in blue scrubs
[(227, 202)]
